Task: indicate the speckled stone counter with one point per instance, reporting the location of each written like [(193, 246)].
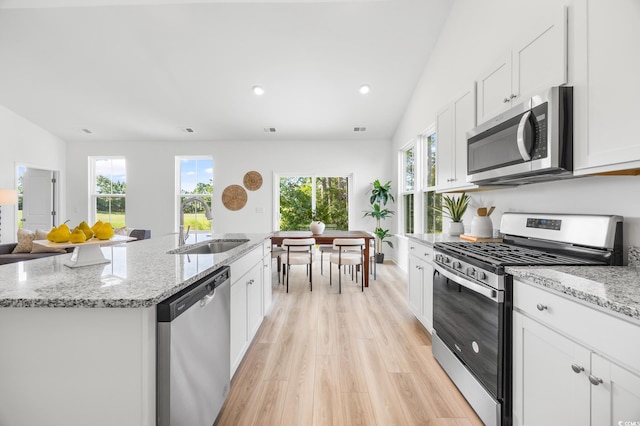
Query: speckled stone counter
[(613, 288), (140, 274)]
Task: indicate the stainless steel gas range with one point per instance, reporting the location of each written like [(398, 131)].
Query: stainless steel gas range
[(472, 296)]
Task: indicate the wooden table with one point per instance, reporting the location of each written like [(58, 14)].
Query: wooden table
[(327, 237)]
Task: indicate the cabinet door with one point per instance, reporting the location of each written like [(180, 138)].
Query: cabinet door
[(238, 322), (546, 389), (540, 58), (617, 398), (612, 81), (253, 281), (427, 296), (494, 90), (414, 295), (444, 147), (267, 289), (464, 119)]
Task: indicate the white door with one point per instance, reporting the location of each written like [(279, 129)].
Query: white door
[(37, 199)]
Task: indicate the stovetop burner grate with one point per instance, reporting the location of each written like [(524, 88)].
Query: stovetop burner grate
[(501, 254)]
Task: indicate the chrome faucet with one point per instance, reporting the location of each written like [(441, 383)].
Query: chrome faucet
[(182, 237)]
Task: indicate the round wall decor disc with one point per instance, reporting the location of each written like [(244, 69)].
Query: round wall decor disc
[(234, 197), (252, 180)]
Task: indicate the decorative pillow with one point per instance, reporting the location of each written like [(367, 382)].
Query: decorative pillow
[(37, 248), (25, 241), (123, 231)]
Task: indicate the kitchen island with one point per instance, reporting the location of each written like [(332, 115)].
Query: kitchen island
[(79, 345)]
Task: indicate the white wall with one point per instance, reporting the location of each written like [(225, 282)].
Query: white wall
[(475, 36), (150, 177), (22, 142)]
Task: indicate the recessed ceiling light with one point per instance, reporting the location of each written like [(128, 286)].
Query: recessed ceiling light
[(365, 88), (258, 90)]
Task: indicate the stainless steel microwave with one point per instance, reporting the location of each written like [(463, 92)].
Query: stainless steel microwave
[(531, 142)]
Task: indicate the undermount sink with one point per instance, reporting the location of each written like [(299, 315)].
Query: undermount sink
[(213, 246)]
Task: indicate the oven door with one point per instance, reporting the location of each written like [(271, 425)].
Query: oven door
[(469, 318)]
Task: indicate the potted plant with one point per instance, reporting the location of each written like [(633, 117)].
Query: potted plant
[(454, 208), (380, 195)]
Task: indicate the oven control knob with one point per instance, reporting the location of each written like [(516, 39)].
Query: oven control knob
[(471, 272), (481, 276), (457, 265), (446, 260), (438, 258)]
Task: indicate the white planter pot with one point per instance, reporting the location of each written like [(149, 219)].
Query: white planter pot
[(316, 228), (456, 228)]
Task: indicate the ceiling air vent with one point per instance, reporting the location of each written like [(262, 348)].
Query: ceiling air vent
[(359, 129), (189, 130), (87, 131), (269, 129)]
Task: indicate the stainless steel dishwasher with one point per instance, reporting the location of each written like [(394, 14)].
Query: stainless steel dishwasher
[(193, 352)]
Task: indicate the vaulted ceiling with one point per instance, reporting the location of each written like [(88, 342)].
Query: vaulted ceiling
[(138, 70)]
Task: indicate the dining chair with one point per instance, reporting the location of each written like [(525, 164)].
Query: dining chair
[(347, 252), (324, 248), (297, 251), (276, 253)]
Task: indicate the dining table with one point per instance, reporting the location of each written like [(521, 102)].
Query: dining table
[(327, 237)]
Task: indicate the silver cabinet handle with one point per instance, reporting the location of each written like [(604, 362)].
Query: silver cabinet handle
[(520, 137), (576, 368), (595, 380), (513, 96), (250, 282), (541, 307), (505, 100)]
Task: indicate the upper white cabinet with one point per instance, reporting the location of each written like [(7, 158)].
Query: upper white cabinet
[(607, 67), (536, 62), (452, 124)]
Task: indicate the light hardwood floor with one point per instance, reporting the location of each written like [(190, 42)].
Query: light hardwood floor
[(354, 358)]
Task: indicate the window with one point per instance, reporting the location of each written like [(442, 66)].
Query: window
[(21, 170), (408, 188), (109, 187), (301, 196), (194, 191), (432, 218)]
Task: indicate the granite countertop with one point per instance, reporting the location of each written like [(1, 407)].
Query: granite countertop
[(140, 274), (613, 288)]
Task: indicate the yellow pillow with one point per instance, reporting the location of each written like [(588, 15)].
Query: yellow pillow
[(25, 241)]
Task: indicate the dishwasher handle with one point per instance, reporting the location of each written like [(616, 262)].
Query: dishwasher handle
[(171, 308)]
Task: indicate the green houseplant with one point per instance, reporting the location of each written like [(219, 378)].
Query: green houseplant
[(454, 208), (380, 196)]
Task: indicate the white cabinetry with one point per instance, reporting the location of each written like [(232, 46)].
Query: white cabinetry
[(608, 66), (267, 289), (536, 62), (572, 364), (420, 290), (246, 303), (452, 124)]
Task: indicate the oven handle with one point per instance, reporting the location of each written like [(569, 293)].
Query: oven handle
[(489, 293)]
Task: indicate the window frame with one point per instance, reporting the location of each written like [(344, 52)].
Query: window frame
[(93, 183), (313, 176), (178, 190), (413, 144)]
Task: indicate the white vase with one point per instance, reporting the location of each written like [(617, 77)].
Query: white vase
[(316, 227), (456, 228)]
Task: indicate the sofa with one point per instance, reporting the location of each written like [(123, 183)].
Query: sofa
[(6, 255)]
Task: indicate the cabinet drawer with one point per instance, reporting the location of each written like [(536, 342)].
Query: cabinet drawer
[(604, 333), (421, 251), (242, 265)]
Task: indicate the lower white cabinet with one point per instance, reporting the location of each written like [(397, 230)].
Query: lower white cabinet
[(420, 289), (564, 372), (267, 289), (246, 303)]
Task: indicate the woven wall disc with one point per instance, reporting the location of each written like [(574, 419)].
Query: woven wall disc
[(234, 197), (252, 180)]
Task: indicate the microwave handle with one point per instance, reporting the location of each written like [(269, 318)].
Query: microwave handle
[(522, 147)]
